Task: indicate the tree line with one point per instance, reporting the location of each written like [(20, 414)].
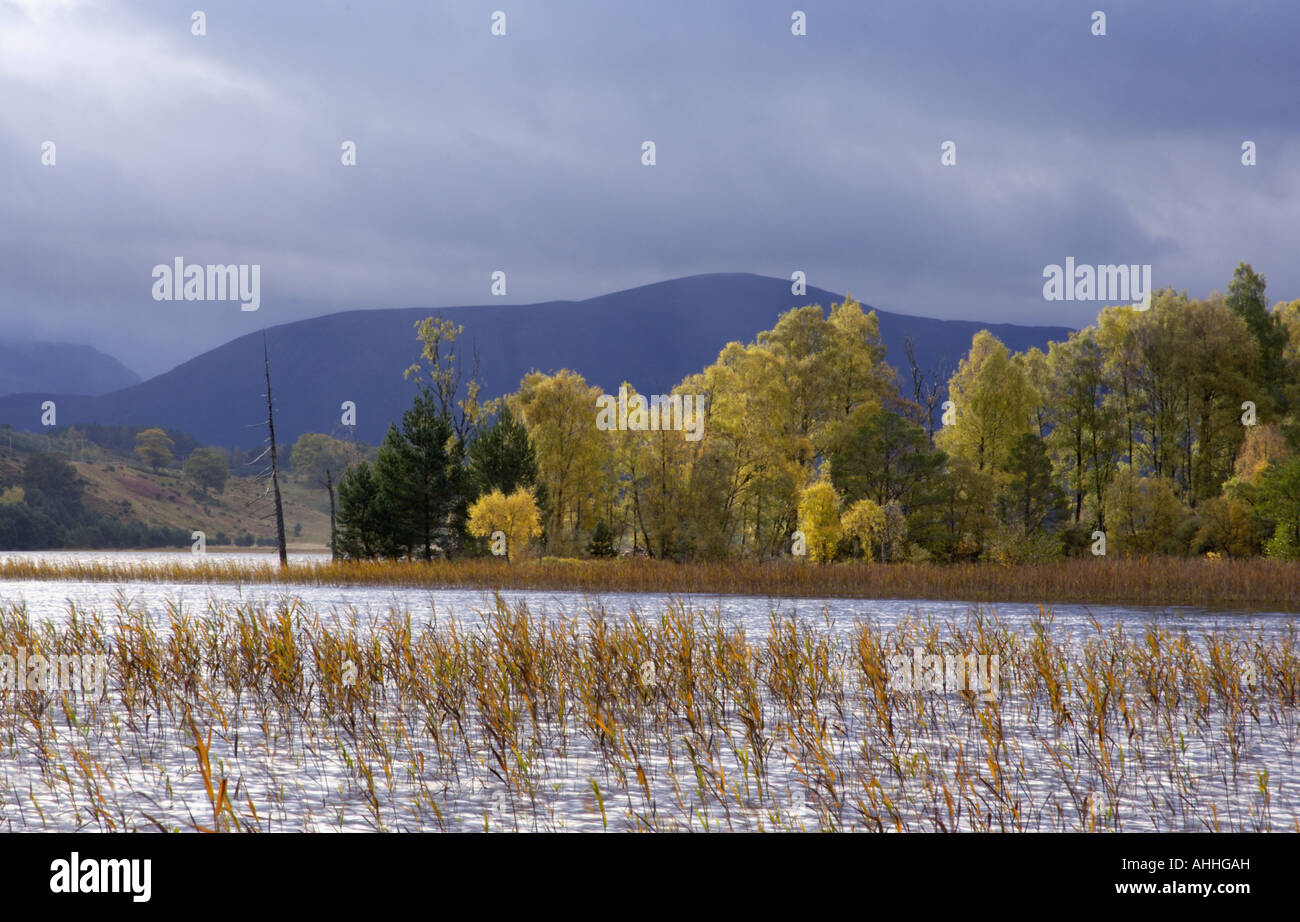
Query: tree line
[(1170, 430)]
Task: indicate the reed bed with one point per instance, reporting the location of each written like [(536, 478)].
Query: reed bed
[(255, 717), (1251, 584)]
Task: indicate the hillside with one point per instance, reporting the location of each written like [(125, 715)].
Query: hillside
[(167, 498), (60, 368), (120, 487), (652, 336)]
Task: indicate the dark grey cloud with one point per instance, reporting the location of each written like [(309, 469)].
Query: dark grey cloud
[(522, 153)]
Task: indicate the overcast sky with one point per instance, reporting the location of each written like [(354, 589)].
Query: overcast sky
[(523, 153)]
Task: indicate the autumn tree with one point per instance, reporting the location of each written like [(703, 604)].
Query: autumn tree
[(994, 405), (1288, 315), (663, 483), (1085, 435), (450, 386), (1215, 366), (819, 520), (1261, 445), (516, 516), (559, 413), (1144, 514), (1117, 340), (154, 448), (864, 521), (207, 469), (1178, 375), (1224, 527), (777, 408), (1038, 374), (757, 452)]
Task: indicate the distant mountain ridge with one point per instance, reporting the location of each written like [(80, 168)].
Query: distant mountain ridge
[(67, 368), (652, 336)]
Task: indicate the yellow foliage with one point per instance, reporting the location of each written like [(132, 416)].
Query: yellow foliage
[(559, 412), (1262, 444), (865, 521), (154, 447), (819, 520), (516, 516)]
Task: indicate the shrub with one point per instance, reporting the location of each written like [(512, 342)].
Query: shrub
[(1282, 545)]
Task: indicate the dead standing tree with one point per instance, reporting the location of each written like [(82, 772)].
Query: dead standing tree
[(928, 387), (275, 468)]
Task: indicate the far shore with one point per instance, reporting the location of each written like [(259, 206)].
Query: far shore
[(1249, 584)]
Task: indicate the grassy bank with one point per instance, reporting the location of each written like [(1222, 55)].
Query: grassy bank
[(1251, 584)]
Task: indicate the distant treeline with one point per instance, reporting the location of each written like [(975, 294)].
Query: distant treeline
[(122, 439), (125, 441)]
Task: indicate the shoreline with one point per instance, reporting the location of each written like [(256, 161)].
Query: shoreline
[(1250, 584)]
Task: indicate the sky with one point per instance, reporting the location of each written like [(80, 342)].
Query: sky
[(523, 153)]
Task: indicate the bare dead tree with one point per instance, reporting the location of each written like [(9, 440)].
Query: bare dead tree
[(275, 469), (927, 387)]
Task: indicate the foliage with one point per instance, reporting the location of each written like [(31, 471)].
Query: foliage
[(1225, 528), (501, 457), (865, 522), (819, 520), (320, 459), (362, 517), (993, 401), (516, 516), (154, 447), (1145, 514), (602, 541), (1279, 503), (207, 469), (572, 455), (1032, 502)]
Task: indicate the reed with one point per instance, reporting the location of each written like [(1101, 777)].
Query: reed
[(269, 717), (1253, 584)]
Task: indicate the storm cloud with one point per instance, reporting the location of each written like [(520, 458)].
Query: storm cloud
[(522, 153)]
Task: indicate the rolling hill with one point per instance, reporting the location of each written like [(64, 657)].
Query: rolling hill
[(652, 336), (64, 368)]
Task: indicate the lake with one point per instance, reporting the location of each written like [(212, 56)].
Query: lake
[(1195, 724)]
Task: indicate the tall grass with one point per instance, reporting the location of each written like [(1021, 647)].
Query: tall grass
[(1252, 583)]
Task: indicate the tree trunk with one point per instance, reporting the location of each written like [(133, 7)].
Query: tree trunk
[(329, 485), (275, 469)]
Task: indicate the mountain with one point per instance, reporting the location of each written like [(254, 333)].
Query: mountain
[(62, 368), (652, 336)]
